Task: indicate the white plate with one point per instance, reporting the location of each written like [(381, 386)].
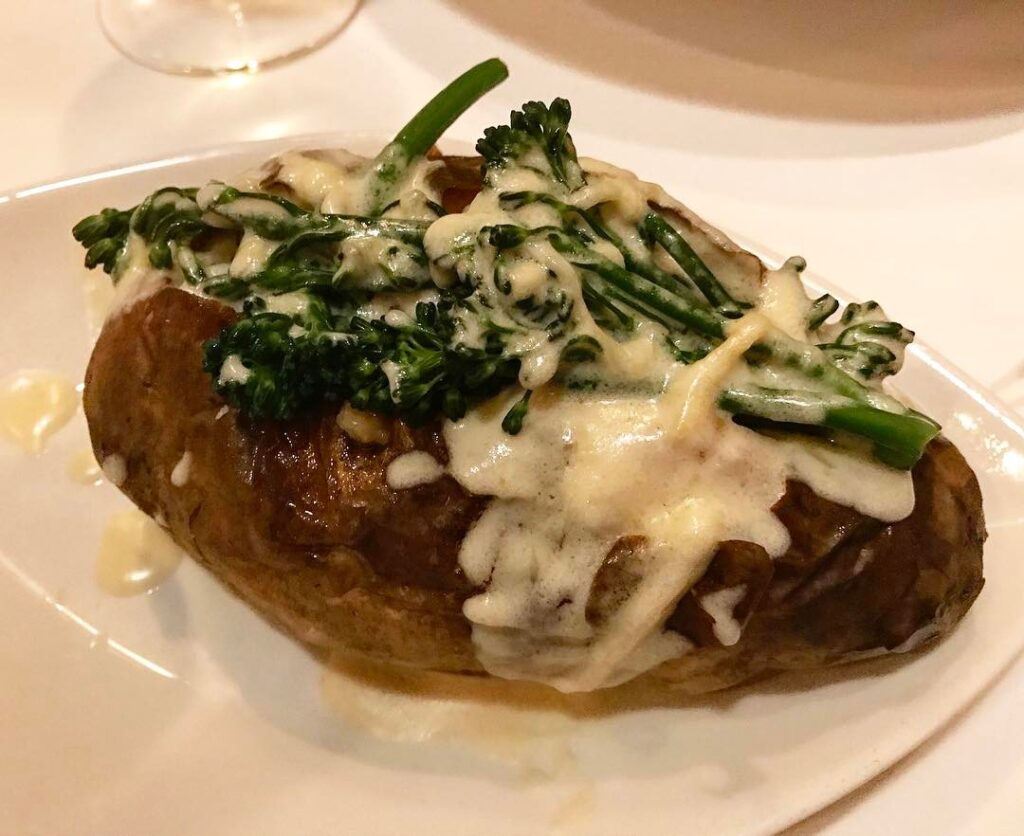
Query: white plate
[(181, 712)]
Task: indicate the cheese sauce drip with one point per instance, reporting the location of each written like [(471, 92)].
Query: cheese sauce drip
[(334, 182)]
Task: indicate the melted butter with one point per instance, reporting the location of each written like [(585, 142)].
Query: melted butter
[(136, 555), (34, 405), (83, 469)]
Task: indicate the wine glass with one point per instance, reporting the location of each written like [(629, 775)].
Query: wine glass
[(205, 37)]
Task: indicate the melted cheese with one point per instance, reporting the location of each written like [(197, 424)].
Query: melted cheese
[(412, 469), (182, 470), (721, 606), (586, 472), (233, 370), (252, 254), (784, 302), (137, 278), (115, 469), (313, 177), (99, 296), (582, 475)]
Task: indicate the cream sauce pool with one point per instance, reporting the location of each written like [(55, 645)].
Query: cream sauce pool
[(83, 468), (136, 555), (35, 404)]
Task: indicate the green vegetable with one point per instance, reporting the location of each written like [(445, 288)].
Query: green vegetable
[(536, 137), (865, 344), (655, 228), (477, 320), (512, 423), (103, 235), (412, 370), (427, 126)]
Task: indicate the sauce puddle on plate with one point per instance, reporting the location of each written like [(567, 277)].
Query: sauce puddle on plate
[(34, 404), (136, 555), (83, 469), (526, 726)]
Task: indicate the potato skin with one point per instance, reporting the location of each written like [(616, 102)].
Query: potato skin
[(297, 519)]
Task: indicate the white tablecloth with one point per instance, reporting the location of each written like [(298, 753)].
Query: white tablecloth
[(884, 143)]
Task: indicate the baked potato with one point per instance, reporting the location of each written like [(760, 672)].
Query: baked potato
[(298, 517)]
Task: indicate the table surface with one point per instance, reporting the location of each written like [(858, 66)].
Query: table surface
[(885, 145)]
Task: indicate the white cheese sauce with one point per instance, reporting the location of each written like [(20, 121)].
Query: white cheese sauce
[(182, 470), (233, 370), (582, 475), (364, 427), (586, 472), (412, 469), (251, 255), (721, 606), (137, 278), (115, 469)]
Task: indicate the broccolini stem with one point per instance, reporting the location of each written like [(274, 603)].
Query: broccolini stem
[(426, 127), (338, 227), (635, 263), (788, 353), (656, 228), (671, 306), (821, 309), (898, 439)]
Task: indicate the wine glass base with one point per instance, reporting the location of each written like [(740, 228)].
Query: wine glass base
[(213, 37)]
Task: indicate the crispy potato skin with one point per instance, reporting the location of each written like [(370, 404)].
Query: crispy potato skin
[(298, 521)]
